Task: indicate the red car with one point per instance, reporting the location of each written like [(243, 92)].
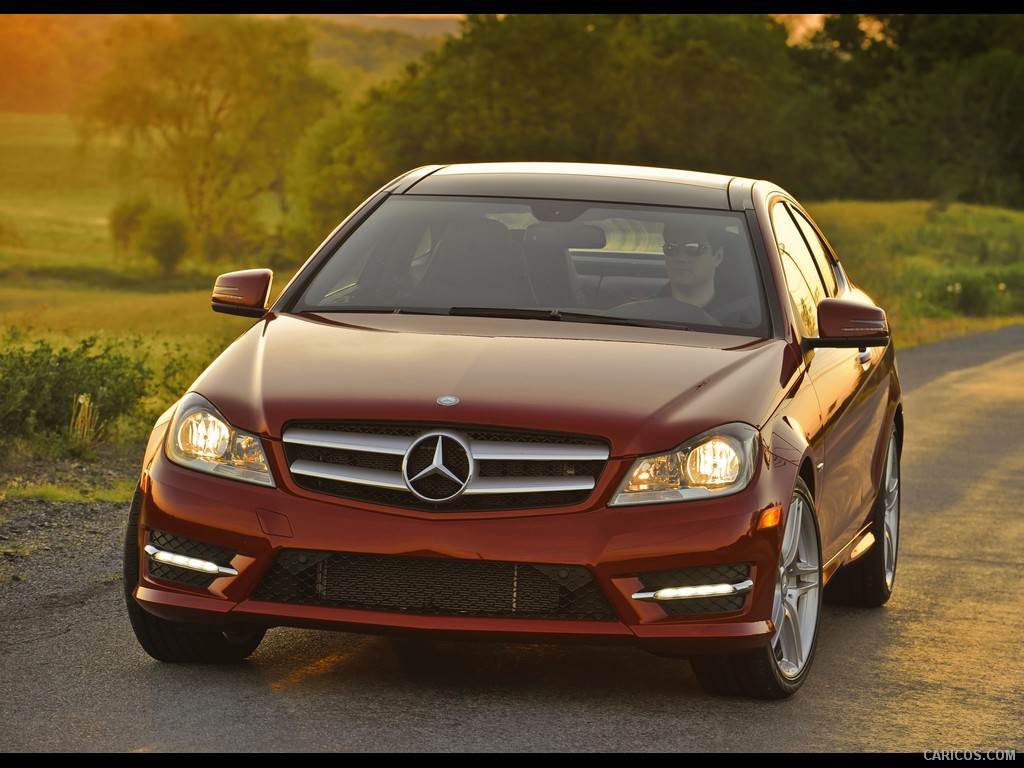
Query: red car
[(536, 402)]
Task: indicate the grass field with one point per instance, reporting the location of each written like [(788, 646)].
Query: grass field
[(939, 271), (59, 278)]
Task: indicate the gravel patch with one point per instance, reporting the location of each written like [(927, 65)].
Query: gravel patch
[(55, 552)]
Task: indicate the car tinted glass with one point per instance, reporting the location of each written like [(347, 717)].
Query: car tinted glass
[(803, 280), (432, 254), (825, 266)]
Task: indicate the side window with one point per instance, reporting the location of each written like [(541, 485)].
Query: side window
[(802, 278), (818, 251)]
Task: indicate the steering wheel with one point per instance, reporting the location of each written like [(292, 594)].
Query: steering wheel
[(662, 308)]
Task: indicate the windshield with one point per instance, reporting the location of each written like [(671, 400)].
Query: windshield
[(547, 259)]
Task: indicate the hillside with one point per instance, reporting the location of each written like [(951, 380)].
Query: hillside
[(409, 24), (47, 60)]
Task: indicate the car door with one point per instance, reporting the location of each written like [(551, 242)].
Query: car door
[(851, 399)]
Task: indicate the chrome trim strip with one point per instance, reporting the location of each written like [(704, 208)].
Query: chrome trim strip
[(349, 441), (528, 484), (393, 480), (359, 475), (486, 450), (188, 563), (697, 591)]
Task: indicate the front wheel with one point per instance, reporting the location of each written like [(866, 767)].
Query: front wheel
[(174, 641), (780, 668)]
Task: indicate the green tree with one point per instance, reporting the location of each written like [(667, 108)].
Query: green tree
[(932, 104), (212, 107), (720, 93), (715, 92)]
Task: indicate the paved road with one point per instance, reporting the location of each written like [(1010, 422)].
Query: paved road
[(939, 668)]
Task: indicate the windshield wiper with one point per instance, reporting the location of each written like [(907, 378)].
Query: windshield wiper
[(515, 313), (561, 315)]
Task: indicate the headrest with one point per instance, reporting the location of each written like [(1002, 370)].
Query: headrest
[(564, 235)]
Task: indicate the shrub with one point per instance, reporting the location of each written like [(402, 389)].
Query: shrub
[(42, 386), (163, 235), (972, 293)]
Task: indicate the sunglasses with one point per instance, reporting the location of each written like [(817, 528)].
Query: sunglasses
[(687, 249)]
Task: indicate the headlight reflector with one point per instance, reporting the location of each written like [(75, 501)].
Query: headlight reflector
[(202, 435), (201, 438), (715, 463)]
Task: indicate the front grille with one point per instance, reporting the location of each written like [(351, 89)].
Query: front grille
[(179, 545), (692, 577), (434, 586), (490, 469)]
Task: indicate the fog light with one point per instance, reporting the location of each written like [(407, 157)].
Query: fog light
[(190, 563), (700, 590)]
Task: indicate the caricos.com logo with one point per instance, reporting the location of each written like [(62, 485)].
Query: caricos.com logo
[(969, 754)]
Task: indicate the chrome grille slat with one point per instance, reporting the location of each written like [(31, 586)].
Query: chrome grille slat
[(483, 450), (349, 441), (528, 484), (394, 480), (360, 475)]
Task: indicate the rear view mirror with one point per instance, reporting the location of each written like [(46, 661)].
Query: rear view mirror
[(242, 293), (563, 236), (845, 323)]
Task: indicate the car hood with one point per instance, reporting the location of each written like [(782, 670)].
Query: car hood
[(642, 389)]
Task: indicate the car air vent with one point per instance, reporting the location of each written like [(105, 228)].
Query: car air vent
[(434, 586)]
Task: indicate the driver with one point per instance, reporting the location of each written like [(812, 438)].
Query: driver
[(692, 254)]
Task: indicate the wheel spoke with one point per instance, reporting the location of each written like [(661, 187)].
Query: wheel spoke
[(803, 569), (779, 615), (789, 646), (804, 588), (791, 538), (793, 628), (890, 553), (892, 510)]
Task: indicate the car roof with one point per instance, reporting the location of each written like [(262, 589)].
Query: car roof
[(582, 181)]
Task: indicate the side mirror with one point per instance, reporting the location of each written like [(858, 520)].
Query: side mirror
[(845, 323), (242, 293)]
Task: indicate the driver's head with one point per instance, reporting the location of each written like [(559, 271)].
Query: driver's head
[(693, 252)]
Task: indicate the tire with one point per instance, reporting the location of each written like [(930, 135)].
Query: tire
[(173, 641), (868, 581), (779, 669)]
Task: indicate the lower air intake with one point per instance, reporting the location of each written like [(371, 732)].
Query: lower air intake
[(435, 586)]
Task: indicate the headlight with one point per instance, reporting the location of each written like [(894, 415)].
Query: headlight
[(200, 438), (716, 463)]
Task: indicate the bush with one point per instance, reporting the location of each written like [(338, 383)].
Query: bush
[(42, 386), (972, 293), (163, 235)]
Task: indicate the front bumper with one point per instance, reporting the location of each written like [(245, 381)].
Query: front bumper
[(580, 574)]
